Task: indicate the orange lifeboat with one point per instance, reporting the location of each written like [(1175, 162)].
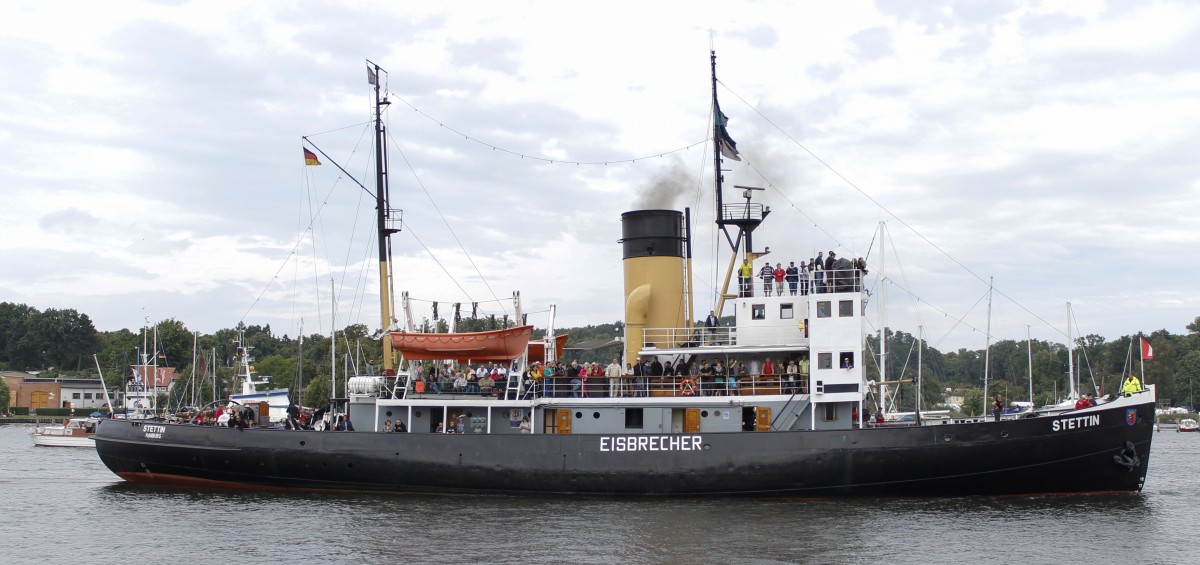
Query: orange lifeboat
[(537, 349), (495, 345)]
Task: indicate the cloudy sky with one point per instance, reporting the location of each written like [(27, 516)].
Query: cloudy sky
[(151, 164)]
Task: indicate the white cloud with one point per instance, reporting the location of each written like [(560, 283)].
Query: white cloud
[(151, 165)]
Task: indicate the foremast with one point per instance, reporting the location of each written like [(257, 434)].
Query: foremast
[(386, 217)]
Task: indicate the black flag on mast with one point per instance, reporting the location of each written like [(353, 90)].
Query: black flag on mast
[(725, 143), (371, 77)]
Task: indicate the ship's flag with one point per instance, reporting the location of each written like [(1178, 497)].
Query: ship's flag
[(310, 158), (372, 79), (1147, 350), (726, 144)]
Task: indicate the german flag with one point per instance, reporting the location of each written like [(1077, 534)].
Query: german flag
[(310, 158)]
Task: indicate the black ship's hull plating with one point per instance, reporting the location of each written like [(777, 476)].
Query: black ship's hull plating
[(1103, 451)]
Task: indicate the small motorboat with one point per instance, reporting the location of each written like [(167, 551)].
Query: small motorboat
[(74, 432), (1188, 425)]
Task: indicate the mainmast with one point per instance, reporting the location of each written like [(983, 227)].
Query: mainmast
[(745, 216), (718, 120), (383, 216)]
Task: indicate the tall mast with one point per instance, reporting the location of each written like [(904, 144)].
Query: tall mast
[(1029, 354), (333, 350), (987, 351), (744, 217), (717, 177), (920, 364), (1071, 356), (382, 213), (882, 320), (300, 368)]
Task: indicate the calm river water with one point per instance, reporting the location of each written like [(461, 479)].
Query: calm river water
[(61, 505)]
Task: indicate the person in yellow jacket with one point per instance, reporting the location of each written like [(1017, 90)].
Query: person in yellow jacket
[(744, 273), (1131, 385)]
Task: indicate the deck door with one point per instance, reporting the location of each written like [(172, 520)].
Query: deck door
[(691, 421), (762, 419), (564, 421)]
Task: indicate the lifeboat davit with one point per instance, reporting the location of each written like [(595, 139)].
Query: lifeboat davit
[(495, 345)]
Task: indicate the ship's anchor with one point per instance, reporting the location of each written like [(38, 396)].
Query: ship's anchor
[(1128, 457)]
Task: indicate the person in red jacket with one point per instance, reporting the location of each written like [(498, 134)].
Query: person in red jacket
[(779, 274)]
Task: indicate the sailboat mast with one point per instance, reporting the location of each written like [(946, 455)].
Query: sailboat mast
[(381, 215), (333, 349), (1029, 354), (1071, 356), (154, 378), (300, 367), (920, 365), (192, 383), (882, 404), (987, 350)]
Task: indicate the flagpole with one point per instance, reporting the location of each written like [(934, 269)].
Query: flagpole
[(1142, 352)]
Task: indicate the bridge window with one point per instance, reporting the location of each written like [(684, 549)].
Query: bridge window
[(758, 311), (830, 413), (824, 360), (846, 360), (845, 308), (785, 311), (823, 309)]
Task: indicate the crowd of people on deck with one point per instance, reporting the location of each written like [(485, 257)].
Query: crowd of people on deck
[(819, 274), (231, 415), (696, 377), (489, 380)]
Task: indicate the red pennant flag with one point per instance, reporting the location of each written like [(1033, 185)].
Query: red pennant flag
[(1147, 351)]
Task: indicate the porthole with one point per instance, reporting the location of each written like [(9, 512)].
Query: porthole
[(417, 414), (301, 444), (578, 415), (389, 413), (704, 414), (946, 437), (596, 415), (1004, 433), (470, 415)]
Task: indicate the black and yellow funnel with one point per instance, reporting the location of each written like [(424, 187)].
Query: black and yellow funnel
[(654, 255)]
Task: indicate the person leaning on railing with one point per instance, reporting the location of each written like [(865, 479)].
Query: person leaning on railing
[(802, 364), (793, 377), (731, 380), (1131, 385), (718, 371)]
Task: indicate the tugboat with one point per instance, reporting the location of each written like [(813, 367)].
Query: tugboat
[(717, 422)]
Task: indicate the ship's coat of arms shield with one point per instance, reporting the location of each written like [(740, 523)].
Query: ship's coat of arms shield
[(1131, 416)]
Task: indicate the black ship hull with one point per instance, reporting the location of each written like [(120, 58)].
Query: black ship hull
[(1101, 450)]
